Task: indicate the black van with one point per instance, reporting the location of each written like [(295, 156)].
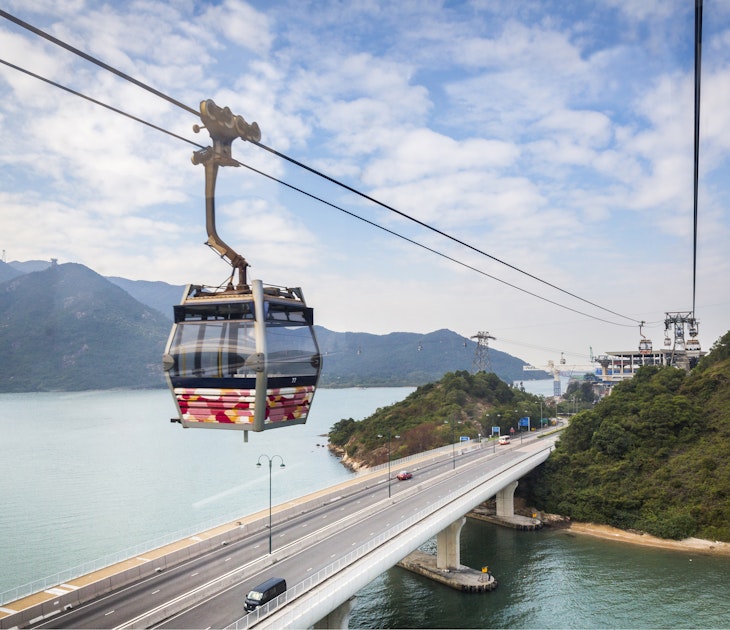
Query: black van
[(264, 592)]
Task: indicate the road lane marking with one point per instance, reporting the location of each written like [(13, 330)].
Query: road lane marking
[(111, 612)]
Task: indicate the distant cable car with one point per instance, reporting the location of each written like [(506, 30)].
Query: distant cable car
[(693, 345), (243, 357), (645, 345)]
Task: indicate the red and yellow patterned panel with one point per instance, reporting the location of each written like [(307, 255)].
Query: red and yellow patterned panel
[(236, 406)]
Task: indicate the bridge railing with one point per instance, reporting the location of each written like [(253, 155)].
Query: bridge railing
[(323, 574), (398, 464), (62, 577), (108, 560)]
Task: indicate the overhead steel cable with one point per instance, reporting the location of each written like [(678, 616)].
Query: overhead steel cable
[(94, 60), (314, 171), (436, 230), (305, 193), (97, 102), (698, 77)]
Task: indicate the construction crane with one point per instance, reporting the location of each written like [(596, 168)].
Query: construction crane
[(555, 368)]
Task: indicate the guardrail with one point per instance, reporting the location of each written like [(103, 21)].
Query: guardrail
[(108, 560), (85, 568), (310, 582), (237, 530)]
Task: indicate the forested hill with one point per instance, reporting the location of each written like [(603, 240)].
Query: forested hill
[(459, 404), (653, 456), (405, 358), (65, 327)]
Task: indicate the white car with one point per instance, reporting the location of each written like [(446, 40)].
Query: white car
[(504, 439)]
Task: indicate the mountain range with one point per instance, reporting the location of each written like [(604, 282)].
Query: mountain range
[(64, 327)]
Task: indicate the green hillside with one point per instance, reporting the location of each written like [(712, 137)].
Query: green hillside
[(405, 359), (459, 404), (653, 456), (67, 328)]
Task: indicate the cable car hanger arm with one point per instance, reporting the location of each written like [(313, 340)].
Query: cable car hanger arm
[(223, 128)]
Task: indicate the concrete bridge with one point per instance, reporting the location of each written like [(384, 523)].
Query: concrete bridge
[(327, 545)]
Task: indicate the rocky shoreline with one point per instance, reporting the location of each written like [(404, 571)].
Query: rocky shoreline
[(607, 532)]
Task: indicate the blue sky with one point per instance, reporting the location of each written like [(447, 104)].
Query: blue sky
[(554, 136)]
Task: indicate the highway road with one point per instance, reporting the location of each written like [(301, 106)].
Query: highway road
[(346, 519)]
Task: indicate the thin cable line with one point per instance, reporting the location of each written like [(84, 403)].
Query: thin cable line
[(433, 229), (105, 66), (97, 102), (96, 61), (307, 194), (698, 77), (426, 247)]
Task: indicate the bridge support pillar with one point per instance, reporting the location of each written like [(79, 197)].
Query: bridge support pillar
[(506, 500), (448, 545), (339, 618)]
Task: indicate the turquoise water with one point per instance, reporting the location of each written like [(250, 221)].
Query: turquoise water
[(84, 474), (89, 473), (552, 579)]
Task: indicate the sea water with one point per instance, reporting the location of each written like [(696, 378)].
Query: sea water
[(88, 474)]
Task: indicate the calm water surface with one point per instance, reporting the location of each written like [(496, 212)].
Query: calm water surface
[(85, 474), (552, 579)]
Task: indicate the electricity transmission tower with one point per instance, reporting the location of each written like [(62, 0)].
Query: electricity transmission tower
[(482, 362)]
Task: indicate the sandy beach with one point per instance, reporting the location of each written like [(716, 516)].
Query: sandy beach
[(611, 533)]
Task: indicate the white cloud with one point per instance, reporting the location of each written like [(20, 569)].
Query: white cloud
[(240, 23), (559, 140)]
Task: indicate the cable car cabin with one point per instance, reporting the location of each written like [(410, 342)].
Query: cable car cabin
[(246, 360), (645, 346), (692, 346)]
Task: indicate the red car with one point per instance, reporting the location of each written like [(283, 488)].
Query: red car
[(403, 475)]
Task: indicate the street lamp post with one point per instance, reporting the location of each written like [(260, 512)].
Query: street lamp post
[(258, 465), (389, 477), (453, 441)]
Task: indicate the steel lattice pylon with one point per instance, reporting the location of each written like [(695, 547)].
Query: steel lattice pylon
[(482, 362)]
